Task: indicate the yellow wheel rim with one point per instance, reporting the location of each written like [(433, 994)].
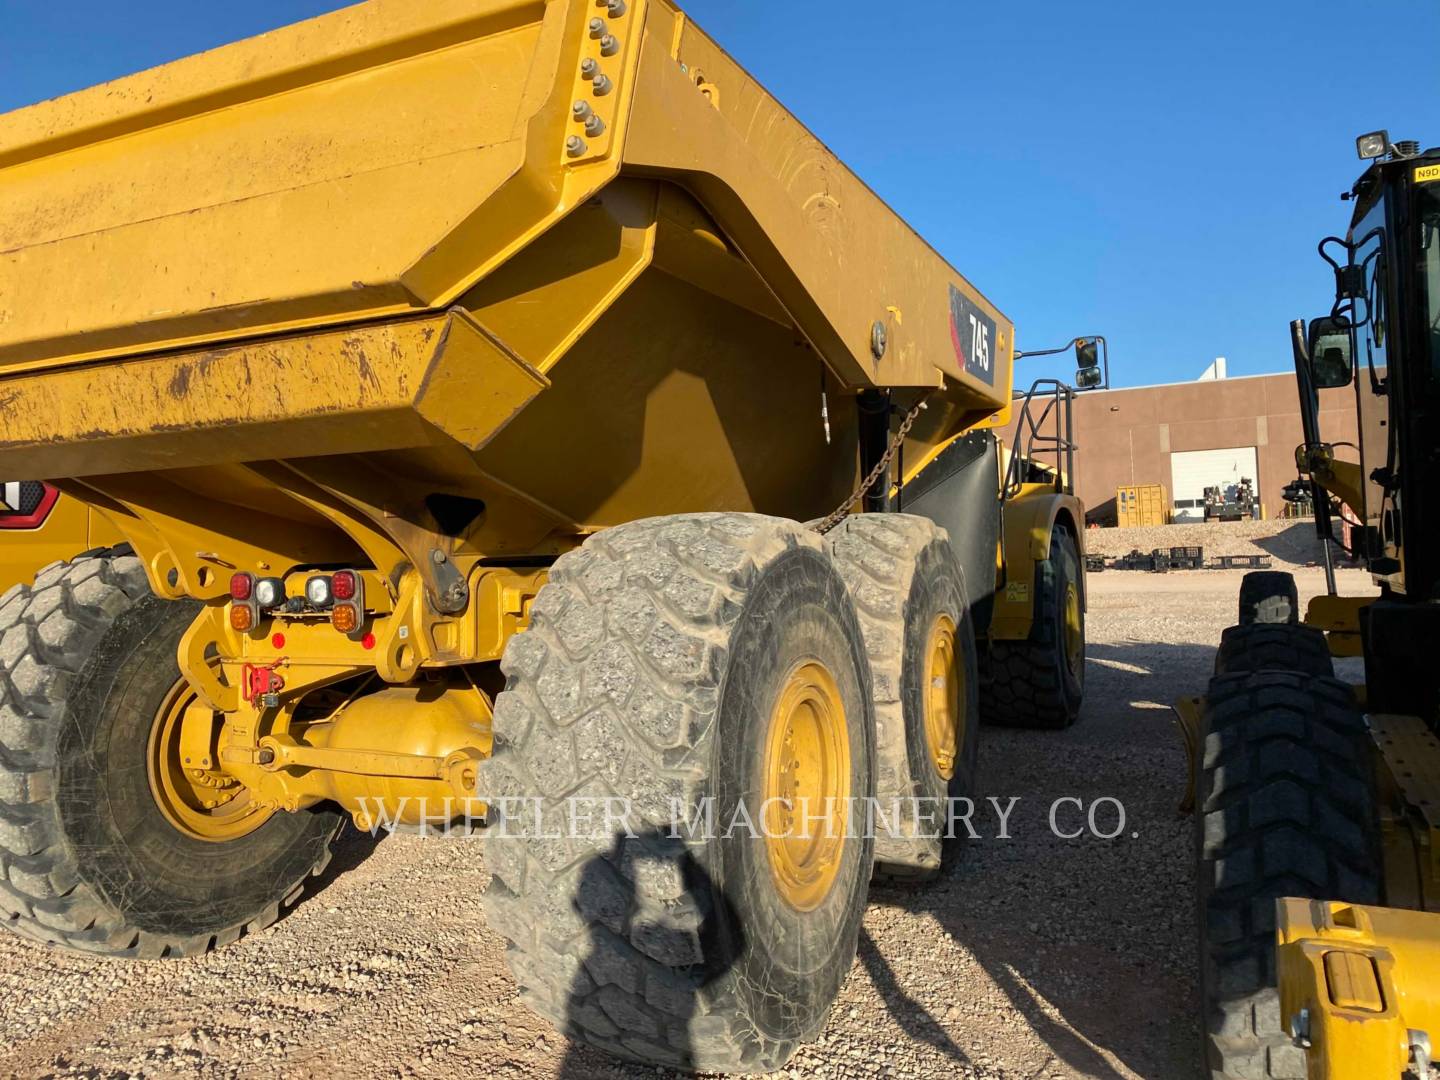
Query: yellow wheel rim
[(204, 804), (807, 786), (944, 694), (1074, 629)]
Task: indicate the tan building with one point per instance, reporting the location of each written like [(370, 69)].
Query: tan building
[(1189, 436)]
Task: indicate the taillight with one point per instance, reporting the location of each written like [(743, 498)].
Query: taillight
[(347, 590), (344, 618), (242, 616), (241, 586), (345, 584)]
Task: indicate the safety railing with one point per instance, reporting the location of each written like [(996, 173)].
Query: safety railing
[(1043, 432)]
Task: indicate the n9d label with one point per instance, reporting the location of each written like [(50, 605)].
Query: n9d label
[(974, 335)]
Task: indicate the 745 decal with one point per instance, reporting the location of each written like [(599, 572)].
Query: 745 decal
[(973, 333)]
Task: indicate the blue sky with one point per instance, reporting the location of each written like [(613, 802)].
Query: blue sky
[(1156, 172)]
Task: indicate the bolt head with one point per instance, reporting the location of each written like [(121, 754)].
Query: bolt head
[(582, 110), (594, 127), (589, 67), (597, 27), (879, 340), (609, 45), (603, 85), (616, 8)]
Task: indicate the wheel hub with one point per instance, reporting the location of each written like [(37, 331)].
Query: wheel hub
[(1074, 629), (944, 682), (203, 803), (806, 786)]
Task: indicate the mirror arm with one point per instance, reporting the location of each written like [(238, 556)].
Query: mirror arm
[(1097, 338), (1310, 427)]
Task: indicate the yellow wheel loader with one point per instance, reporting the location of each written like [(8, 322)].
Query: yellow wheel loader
[(1318, 829), (458, 375)]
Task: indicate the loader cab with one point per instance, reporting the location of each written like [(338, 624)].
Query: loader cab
[(1382, 337)]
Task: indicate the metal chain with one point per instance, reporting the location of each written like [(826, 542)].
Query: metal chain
[(843, 510)]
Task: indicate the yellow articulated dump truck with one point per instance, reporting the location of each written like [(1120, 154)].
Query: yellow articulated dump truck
[(457, 376)]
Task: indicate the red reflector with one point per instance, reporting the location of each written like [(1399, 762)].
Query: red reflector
[(368, 641), (241, 586), (278, 641), (344, 584)]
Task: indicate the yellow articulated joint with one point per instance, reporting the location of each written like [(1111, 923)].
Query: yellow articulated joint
[(1360, 988)]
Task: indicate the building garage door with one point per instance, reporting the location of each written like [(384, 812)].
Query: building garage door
[(1192, 471)]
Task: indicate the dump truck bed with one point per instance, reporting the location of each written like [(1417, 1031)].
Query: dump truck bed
[(381, 160), (482, 248)]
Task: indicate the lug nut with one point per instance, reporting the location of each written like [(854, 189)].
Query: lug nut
[(594, 127), (575, 146), (582, 111), (597, 27), (589, 67), (609, 45), (603, 85), (616, 8)]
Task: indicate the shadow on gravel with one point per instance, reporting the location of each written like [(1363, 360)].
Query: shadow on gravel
[(617, 997), (349, 849), (1296, 546), (1088, 940), (912, 1017)]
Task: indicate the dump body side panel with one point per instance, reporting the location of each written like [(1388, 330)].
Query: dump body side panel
[(838, 258)]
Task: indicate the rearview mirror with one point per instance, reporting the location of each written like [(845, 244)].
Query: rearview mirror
[(1087, 357), (1332, 363)]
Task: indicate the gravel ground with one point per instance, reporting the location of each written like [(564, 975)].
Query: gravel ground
[(1034, 957), (1288, 543)]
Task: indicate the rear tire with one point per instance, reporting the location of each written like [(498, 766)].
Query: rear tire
[(910, 590), (657, 659), (1040, 682), (88, 860), (1269, 596), (1274, 647), (1287, 808)]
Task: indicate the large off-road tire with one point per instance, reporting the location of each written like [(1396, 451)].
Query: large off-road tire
[(1274, 647), (1269, 596), (658, 660), (915, 614), (88, 860), (1040, 682), (1287, 808)]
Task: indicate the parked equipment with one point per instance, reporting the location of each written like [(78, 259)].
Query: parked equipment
[(1233, 502), (458, 372), (1319, 801)]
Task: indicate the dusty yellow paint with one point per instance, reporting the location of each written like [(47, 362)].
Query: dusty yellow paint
[(1367, 977), (1339, 617), (1031, 516)]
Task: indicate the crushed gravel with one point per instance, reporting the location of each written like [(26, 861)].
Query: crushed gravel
[(1289, 543), (1033, 957)]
